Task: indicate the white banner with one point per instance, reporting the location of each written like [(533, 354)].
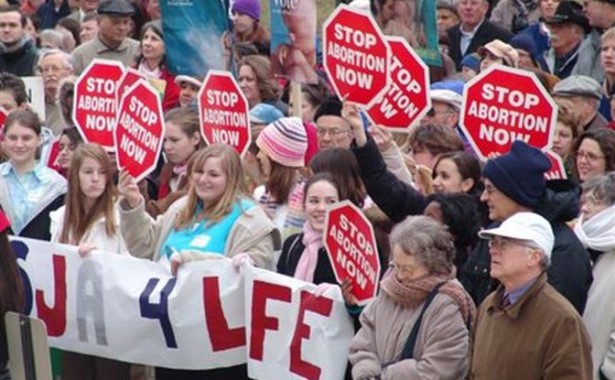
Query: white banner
[(133, 310)]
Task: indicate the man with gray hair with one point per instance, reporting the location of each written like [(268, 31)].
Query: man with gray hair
[(112, 41), (53, 66), (526, 329), (580, 96)]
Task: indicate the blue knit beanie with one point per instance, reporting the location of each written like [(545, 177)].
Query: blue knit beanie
[(251, 8), (472, 61), (519, 174)]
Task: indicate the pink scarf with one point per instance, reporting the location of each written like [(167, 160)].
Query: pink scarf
[(312, 240)]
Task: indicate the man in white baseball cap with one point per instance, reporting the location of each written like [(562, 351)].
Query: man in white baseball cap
[(445, 108), (526, 329)]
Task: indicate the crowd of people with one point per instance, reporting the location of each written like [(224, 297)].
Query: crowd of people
[(490, 270)]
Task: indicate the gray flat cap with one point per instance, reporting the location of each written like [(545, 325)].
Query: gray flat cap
[(116, 8), (578, 85)]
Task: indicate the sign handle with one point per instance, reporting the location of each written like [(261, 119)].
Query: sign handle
[(295, 98), (28, 347)]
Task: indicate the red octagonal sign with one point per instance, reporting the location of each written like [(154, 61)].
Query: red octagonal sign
[(558, 169), (351, 247), (502, 105), (406, 100), (140, 130), (356, 56), (223, 110), (95, 104)]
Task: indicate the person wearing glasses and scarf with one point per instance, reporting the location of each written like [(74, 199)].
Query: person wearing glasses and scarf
[(419, 298), (596, 230)]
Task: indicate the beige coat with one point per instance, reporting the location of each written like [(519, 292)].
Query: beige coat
[(441, 350), (84, 54), (253, 233)]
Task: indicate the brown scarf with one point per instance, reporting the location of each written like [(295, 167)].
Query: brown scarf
[(413, 293)]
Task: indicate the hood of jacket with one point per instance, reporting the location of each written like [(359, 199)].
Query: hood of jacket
[(561, 201)]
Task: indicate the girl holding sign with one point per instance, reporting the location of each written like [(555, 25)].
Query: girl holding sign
[(90, 220), (303, 255), (216, 219)]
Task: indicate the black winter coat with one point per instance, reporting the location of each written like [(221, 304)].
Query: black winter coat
[(395, 198), (292, 249), (21, 61), (570, 271)]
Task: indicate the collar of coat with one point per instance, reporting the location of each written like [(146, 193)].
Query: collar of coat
[(513, 311)]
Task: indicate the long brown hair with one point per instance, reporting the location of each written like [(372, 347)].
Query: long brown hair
[(267, 86), (11, 287), (343, 166), (281, 182), (78, 220), (231, 166)]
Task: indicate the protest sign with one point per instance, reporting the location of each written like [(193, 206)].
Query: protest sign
[(35, 92), (406, 100), (356, 56), (3, 115), (558, 170), (504, 104), (130, 77), (134, 310), (351, 247), (223, 110), (140, 130), (52, 160), (192, 33), (293, 40), (95, 104), (415, 21)]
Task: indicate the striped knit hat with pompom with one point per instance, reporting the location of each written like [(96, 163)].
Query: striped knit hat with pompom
[(285, 142)]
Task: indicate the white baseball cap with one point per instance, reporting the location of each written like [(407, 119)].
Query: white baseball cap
[(185, 78), (447, 96), (526, 226)]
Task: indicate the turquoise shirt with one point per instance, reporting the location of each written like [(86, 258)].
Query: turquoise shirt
[(203, 236)]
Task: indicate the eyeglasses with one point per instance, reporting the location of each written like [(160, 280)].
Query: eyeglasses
[(332, 132), (432, 112), (590, 157), (503, 244), (401, 268), (591, 200), (51, 69)]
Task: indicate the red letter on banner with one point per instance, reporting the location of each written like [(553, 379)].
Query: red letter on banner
[(261, 292), (54, 318), (319, 305), (222, 337)]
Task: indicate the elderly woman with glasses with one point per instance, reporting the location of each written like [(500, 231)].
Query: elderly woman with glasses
[(418, 326), (594, 153), (596, 230)]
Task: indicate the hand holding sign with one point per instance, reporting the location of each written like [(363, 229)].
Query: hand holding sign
[(140, 130), (351, 247)]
